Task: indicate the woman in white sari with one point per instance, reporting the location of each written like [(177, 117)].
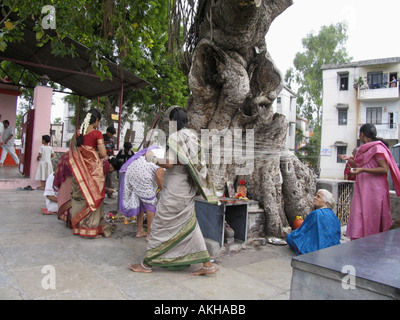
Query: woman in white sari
[(139, 180), (175, 239)]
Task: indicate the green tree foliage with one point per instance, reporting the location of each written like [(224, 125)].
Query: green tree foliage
[(327, 47)]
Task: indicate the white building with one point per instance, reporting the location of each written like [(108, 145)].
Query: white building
[(354, 94), (286, 104)]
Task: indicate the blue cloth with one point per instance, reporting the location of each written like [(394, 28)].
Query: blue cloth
[(320, 230)]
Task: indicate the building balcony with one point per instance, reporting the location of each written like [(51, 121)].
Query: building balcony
[(387, 131), (378, 94)]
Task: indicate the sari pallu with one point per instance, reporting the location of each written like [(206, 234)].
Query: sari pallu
[(63, 184), (188, 150), (88, 192), (369, 150), (64, 202), (176, 240)]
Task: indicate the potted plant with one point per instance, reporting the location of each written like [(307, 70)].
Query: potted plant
[(358, 83)]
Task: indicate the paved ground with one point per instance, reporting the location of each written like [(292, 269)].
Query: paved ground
[(97, 268)]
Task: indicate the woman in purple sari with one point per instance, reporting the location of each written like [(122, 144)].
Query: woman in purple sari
[(370, 207), (138, 186)]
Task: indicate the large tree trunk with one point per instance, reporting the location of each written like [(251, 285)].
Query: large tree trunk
[(234, 82)]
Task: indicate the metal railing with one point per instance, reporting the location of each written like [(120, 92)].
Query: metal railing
[(342, 190), (345, 194), (378, 93)]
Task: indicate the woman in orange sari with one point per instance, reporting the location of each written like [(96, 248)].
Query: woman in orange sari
[(88, 182)]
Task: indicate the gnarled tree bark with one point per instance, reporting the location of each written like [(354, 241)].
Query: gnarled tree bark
[(234, 82)]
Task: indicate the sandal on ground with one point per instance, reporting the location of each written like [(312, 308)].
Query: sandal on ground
[(276, 241), (45, 211), (144, 269), (210, 270)]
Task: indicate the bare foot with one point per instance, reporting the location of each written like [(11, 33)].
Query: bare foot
[(140, 268), (141, 234), (204, 271)]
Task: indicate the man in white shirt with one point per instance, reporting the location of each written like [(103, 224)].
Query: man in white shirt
[(8, 143)]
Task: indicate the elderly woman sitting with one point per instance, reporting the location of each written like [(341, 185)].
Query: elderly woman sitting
[(320, 229)]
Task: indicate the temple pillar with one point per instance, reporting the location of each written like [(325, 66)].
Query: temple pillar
[(42, 101)]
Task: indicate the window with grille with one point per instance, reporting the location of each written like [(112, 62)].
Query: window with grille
[(375, 80), (344, 82), (374, 115), (342, 115)]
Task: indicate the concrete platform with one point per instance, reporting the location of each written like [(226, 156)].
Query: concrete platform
[(365, 269), (11, 178), (97, 269)]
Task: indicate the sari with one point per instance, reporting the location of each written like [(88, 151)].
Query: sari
[(176, 240), (320, 230), (370, 211), (63, 185), (88, 188)]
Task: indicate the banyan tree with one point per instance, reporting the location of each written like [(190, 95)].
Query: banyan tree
[(233, 82)]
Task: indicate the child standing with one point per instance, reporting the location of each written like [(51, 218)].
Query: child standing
[(45, 168)]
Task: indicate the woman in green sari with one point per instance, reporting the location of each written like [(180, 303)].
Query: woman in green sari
[(175, 239)]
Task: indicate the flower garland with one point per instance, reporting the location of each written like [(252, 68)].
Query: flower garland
[(85, 124)]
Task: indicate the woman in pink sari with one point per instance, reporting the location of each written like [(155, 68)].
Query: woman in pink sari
[(370, 207)]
